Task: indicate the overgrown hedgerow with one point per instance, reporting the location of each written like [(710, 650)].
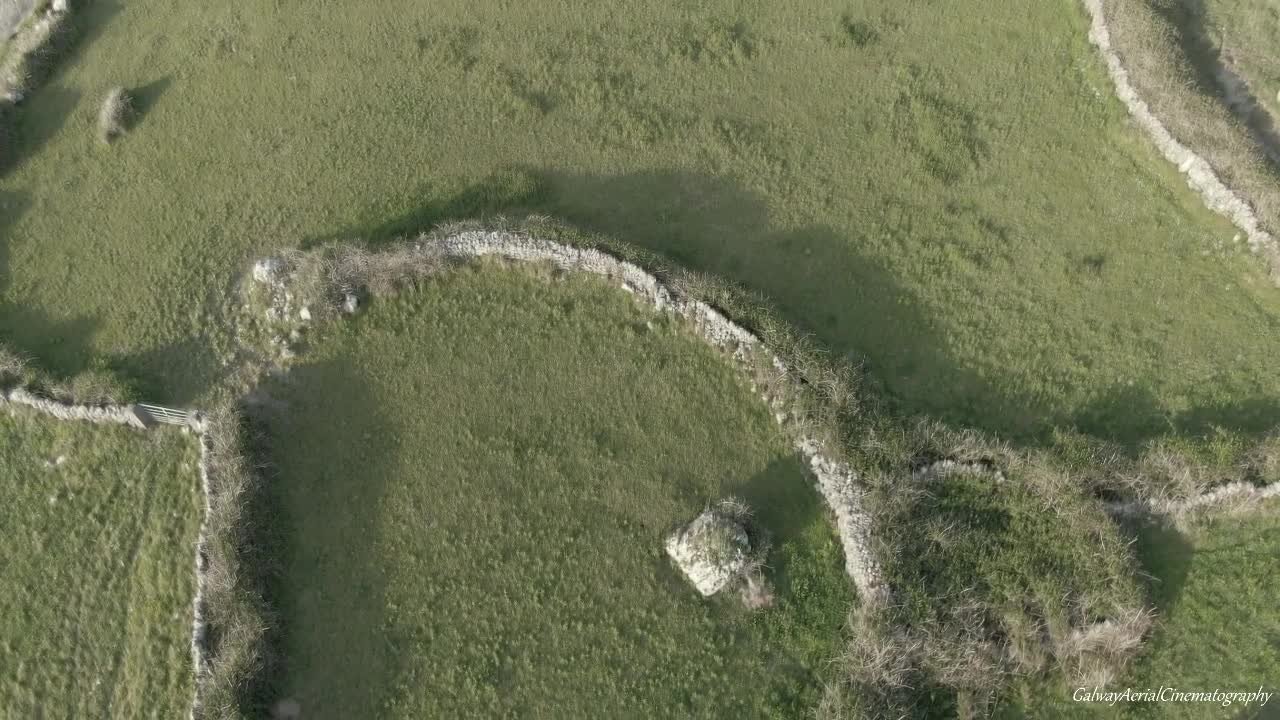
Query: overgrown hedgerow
[(1003, 566), (236, 653)]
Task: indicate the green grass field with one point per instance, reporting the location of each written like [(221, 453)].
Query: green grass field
[(96, 581), (1219, 627), (475, 482), (945, 191)]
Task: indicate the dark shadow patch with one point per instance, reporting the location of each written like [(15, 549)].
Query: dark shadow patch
[(1127, 414), (57, 344), (511, 192), (153, 371), (1165, 556), (302, 552), (40, 119), (857, 33), (820, 281), (783, 499), (146, 97), (1131, 415)]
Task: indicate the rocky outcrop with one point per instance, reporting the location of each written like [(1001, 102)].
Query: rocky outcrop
[(711, 551)]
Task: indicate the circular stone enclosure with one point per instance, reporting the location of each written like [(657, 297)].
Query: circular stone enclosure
[(475, 481)]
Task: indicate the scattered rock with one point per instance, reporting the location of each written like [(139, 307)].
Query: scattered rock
[(268, 270), (711, 551), (350, 303), (305, 313)]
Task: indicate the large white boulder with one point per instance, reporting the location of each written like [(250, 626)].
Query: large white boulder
[(711, 551)]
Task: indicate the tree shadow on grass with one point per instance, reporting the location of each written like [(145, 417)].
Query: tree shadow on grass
[(171, 373), (820, 281), (328, 454), (46, 110), (146, 97), (1131, 416), (59, 345), (40, 119)]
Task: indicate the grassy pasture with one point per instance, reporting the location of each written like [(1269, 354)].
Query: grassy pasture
[(96, 580), (474, 484), (946, 192)]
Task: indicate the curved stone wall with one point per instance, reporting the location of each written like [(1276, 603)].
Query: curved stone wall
[(835, 480), (1200, 175)]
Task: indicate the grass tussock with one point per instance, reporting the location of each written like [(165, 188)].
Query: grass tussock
[(114, 115), (13, 368)]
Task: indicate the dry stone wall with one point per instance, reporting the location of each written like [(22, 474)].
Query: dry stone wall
[(1236, 494), (1200, 175), (103, 414), (836, 481)]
